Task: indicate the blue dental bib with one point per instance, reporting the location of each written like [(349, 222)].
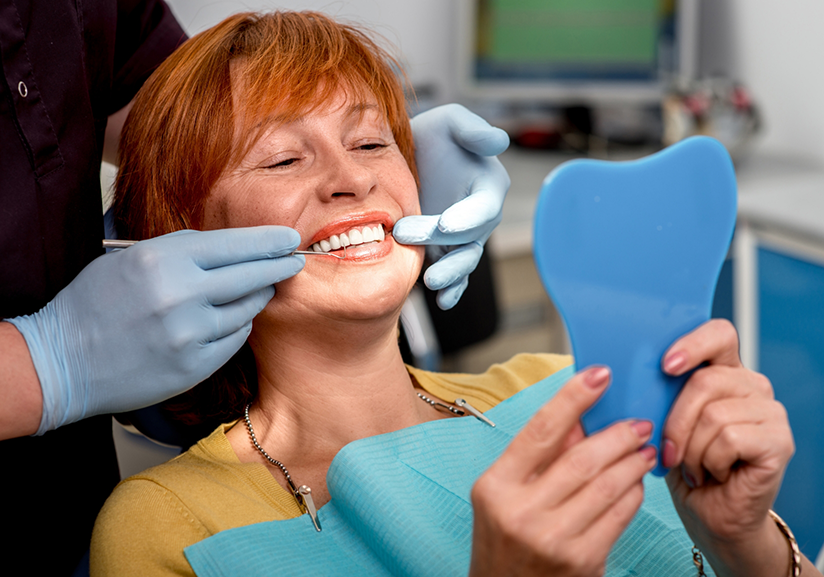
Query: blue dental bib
[(400, 506), (630, 253)]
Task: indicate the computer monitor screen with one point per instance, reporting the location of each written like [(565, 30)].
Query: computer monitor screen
[(573, 49)]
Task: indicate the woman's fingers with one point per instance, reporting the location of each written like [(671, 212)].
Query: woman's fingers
[(763, 441), (599, 495), (705, 386), (587, 460), (715, 342), (555, 552), (716, 419), (555, 501), (608, 528), (544, 436)]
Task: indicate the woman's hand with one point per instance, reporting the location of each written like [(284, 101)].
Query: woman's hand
[(555, 502), (732, 441)]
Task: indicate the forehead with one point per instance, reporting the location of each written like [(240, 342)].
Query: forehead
[(341, 108), (259, 109), (256, 100)]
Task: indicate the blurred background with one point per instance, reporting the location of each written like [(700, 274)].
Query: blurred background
[(620, 79)]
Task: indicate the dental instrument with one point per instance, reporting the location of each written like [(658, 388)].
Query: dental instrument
[(118, 244)]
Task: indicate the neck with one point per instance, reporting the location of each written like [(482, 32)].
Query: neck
[(338, 391), (317, 393)]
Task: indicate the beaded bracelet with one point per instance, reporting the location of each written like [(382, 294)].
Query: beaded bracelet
[(795, 552)]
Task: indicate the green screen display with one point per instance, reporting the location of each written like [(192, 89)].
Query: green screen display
[(570, 32)]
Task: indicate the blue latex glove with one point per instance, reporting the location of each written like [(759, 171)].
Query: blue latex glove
[(140, 325), (463, 187)]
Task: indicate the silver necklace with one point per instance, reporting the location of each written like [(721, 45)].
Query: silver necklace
[(303, 494)]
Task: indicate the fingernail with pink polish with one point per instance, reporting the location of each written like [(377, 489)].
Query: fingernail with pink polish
[(648, 452), (642, 428), (668, 454), (596, 377), (674, 363)]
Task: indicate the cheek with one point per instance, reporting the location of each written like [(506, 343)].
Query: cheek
[(409, 266), (414, 204), (405, 191), (238, 205), (216, 213), (419, 252)]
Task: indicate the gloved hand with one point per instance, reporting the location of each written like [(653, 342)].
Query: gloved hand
[(140, 325), (462, 190)]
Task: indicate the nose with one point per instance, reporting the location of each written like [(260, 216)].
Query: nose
[(344, 175)]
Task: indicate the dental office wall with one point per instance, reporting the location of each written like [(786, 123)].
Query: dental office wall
[(421, 29), (775, 47)]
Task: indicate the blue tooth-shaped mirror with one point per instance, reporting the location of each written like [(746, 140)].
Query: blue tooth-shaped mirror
[(630, 253)]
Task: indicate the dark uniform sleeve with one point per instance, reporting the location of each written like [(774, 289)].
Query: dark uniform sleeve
[(147, 33), (65, 65)]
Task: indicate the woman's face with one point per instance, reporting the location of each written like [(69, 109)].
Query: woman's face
[(331, 175)]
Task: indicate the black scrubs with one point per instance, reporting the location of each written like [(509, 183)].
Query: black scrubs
[(67, 65)]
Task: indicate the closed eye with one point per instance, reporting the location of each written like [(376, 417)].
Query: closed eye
[(371, 146), (286, 162)]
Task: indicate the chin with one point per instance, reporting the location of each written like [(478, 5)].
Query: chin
[(353, 293), (373, 305), (369, 295)]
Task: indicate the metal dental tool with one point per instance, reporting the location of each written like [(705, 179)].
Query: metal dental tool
[(114, 243), (321, 253)]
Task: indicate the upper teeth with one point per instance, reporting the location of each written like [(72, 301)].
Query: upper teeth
[(353, 237)]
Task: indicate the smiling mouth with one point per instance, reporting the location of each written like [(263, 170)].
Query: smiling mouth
[(355, 237)]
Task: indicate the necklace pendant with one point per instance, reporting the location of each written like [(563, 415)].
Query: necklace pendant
[(304, 495), (478, 415)]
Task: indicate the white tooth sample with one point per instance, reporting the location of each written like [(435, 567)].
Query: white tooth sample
[(344, 240), (379, 235), (355, 236), (368, 234), (325, 245), (316, 247), (334, 242)]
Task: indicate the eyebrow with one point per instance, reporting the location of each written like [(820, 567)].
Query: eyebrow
[(362, 107), (352, 110)]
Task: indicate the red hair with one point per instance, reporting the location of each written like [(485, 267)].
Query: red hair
[(187, 127), (180, 135)]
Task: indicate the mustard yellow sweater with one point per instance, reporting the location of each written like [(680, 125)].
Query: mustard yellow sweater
[(151, 517)]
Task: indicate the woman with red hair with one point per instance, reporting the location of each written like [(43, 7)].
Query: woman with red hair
[(295, 120)]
